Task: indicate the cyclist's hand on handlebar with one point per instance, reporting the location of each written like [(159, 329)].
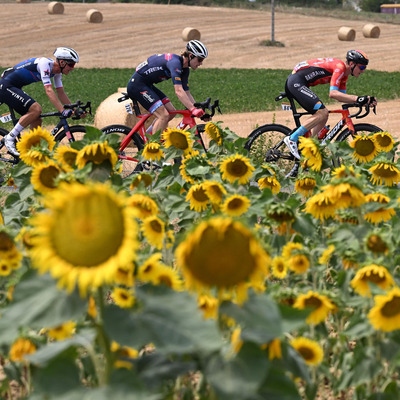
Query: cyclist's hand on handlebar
[(197, 112), (366, 100), (67, 113)]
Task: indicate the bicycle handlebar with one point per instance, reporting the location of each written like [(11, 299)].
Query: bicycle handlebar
[(360, 107), (79, 107), (206, 105)]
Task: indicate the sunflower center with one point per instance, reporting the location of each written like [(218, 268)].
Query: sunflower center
[(153, 148), (237, 168), (391, 308), (313, 302), (69, 157), (48, 176), (383, 140), (306, 353), (235, 204), (385, 170), (89, 231), (376, 244), (156, 226), (165, 280), (6, 244), (178, 140), (375, 278), (365, 147), (200, 195)]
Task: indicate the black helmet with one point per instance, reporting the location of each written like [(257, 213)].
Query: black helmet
[(357, 56)]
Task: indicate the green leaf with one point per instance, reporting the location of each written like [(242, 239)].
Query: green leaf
[(240, 377), (292, 318), (259, 318), (304, 224), (38, 303), (171, 320)]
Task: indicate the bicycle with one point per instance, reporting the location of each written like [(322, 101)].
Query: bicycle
[(266, 142), (135, 138), (62, 132)]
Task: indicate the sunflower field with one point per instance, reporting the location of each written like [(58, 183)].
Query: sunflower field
[(213, 278)]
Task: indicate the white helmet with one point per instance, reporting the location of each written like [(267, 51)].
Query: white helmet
[(197, 48), (67, 54)]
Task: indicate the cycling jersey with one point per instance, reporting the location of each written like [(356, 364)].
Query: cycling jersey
[(157, 68), (30, 71), (315, 72), (321, 71)]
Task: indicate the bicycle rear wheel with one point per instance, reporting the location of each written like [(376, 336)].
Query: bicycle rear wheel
[(359, 129), (265, 144), (136, 144)]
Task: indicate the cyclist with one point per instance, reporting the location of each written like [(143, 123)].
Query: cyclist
[(161, 67), (321, 71), (35, 70)]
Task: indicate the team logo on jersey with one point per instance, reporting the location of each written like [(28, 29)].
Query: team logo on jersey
[(147, 96), (178, 78), (47, 72)]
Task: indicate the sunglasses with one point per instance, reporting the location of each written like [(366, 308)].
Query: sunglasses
[(71, 64), (362, 67), (200, 59)]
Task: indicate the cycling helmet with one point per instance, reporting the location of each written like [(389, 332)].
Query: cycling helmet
[(357, 56), (197, 48), (67, 54)]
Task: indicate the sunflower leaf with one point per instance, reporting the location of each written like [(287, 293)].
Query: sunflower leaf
[(169, 319)]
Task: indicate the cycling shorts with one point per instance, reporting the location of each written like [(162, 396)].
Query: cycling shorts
[(296, 88), (146, 94), (15, 98)]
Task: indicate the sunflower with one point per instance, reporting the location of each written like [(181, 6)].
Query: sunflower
[(153, 229), (310, 350), (376, 244), (384, 172), (10, 256), (144, 178), (290, 249), (385, 315), (365, 148), (92, 310), (125, 275), (321, 206), (236, 340), (152, 151), (209, 305), (168, 276), (279, 267), (214, 132), (343, 171), (271, 183), (299, 263), (96, 153), (197, 196), (122, 297), (182, 169), (148, 271), (280, 212), (274, 349), (30, 149), (215, 191), (84, 235), (326, 255), (375, 274), (381, 214), (63, 331), (236, 168), (144, 205), (235, 205), (44, 177), (344, 195), (66, 157), (21, 348), (305, 186), (222, 253), (177, 138), (321, 306), (384, 140), (310, 150)]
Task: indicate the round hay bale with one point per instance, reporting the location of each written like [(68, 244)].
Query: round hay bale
[(55, 7), (94, 16), (190, 34), (347, 34), (111, 112), (371, 31), (23, 1)]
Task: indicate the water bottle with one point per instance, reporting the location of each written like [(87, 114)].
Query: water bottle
[(323, 132)]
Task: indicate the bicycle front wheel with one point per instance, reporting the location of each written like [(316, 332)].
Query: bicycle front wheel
[(77, 132), (128, 156), (359, 129), (265, 144)]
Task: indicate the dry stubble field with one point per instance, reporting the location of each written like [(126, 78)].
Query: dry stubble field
[(130, 33)]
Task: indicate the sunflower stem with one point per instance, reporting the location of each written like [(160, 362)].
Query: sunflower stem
[(104, 341)]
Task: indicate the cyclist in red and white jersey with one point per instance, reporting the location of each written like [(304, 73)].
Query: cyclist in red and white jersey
[(160, 67), (322, 71), (39, 69)]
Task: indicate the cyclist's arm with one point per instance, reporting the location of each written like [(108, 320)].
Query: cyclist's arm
[(62, 96), (342, 97), (184, 97), (54, 99)]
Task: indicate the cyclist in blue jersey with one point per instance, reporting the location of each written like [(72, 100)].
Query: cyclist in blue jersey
[(39, 69), (161, 67)]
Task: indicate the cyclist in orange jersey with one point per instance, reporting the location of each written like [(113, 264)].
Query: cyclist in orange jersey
[(321, 71)]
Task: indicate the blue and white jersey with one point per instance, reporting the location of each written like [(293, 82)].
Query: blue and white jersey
[(161, 67), (32, 70)]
